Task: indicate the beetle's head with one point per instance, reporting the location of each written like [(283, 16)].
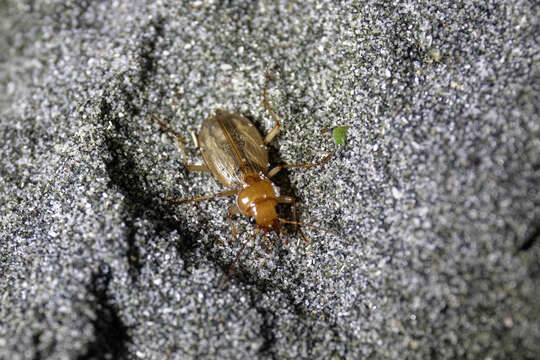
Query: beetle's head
[(265, 216), (264, 213)]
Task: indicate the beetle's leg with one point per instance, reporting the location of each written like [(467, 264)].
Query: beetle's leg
[(278, 168), (188, 166), (275, 130), (230, 213), (279, 239), (265, 245), (290, 200), (269, 241), (226, 277), (205, 197)]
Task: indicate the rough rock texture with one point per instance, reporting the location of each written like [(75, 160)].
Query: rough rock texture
[(431, 209)]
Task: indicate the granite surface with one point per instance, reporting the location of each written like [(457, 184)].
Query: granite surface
[(427, 218)]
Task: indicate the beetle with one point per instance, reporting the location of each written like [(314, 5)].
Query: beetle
[(236, 154)]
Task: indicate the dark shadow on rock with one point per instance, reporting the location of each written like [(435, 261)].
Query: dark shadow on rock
[(531, 239), (111, 337), (140, 201)]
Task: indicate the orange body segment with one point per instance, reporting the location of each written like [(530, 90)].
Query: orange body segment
[(259, 200)]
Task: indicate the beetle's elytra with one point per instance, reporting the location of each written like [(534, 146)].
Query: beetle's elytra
[(235, 153)]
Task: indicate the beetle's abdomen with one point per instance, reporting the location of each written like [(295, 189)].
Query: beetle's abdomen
[(232, 147)]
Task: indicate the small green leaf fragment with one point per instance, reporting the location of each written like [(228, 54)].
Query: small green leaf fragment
[(339, 134), (435, 55)]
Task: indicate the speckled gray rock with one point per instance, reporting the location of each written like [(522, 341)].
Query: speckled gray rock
[(431, 208)]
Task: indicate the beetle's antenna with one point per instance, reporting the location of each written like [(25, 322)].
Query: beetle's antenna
[(226, 277), (285, 221), (286, 239), (302, 235), (278, 232)]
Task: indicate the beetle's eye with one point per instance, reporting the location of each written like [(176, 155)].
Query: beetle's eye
[(251, 220)]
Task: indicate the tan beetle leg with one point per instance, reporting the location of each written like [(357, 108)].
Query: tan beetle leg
[(266, 246), (278, 168), (205, 197), (275, 130), (226, 277), (230, 213), (188, 166), (290, 200)]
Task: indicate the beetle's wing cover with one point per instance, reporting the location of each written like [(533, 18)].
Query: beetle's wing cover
[(231, 147)]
